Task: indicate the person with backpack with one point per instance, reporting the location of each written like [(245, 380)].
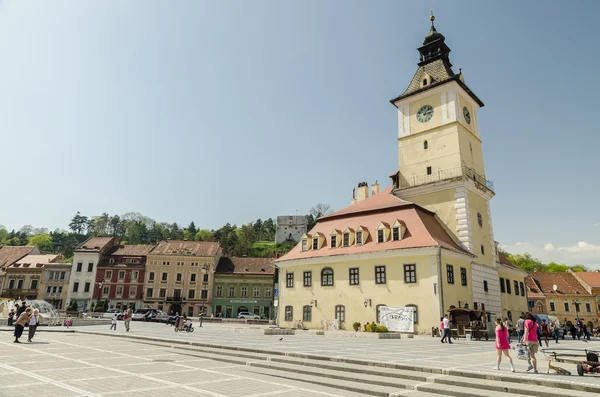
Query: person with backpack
[(530, 338)]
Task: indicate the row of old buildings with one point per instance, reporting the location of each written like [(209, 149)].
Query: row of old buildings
[(185, 277)]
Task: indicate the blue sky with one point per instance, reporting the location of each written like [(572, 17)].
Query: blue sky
[(231, 111)]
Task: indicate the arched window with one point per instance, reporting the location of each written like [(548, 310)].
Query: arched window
[(340, 313), (425, 145), (539, 307), (327, 277), (289, 313), (378, 310), (307, 313), (416, 318)]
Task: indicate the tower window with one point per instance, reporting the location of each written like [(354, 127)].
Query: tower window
[(428, 170), (424, 82), (479, 220), (425, 145), (482, 250)]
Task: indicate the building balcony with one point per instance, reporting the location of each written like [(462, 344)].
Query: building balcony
[(175, 299), (463, 172), (15, 293)]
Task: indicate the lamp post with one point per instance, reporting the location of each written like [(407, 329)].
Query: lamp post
[(202, 298)]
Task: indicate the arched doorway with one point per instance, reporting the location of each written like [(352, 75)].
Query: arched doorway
[(175, 309), (242, 309)]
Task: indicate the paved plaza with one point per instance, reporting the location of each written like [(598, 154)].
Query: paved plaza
[(94, 361)]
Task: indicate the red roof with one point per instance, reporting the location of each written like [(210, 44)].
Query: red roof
[(95, 244), (504, 260), (422, 228), (566, 284), (11, 254), (196, 248), (132, 250), (590, 278), (237, 265)]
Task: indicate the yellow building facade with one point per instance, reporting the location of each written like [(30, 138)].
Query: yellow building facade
[(441, 180), (179, 276)]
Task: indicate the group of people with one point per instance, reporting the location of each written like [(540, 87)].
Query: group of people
[(25, 316), (126, 320), (528, 332)]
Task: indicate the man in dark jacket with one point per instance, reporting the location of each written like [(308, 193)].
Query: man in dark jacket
[(21, 309)]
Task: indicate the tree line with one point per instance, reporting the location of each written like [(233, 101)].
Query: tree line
[(135, 228), (530, 264)]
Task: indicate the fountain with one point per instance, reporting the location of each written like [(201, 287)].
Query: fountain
[(48, 314)]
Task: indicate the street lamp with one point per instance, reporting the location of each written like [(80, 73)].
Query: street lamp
[(204, 283)]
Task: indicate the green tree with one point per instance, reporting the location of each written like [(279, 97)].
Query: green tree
[(79, 223), (246, 238), (192, 229), (43, 242), (204, 235)]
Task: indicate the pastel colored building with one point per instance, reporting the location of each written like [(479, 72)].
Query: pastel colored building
[(563, 296), (24, 276), (11, 254), (244, 285), (427, 241), (180, 275), (120, 276), (591, 282), (54, 285), (83, 271)]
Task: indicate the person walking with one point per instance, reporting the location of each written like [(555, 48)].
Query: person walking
[(127, 318), (530, 338), (508, 324), (11, 316), (545, 332), (441, 326), (447, 334), (34, 320), (113, 324), (20, 324), (520, 327), (554, 330), (68, 321), (502, 345)]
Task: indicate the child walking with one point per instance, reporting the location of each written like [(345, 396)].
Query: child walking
[(502, 345), (113, 324), (68, 321)]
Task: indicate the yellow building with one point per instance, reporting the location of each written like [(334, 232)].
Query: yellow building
[(432, 227), (180, 275), (24, 277), (54, 285), (563, 296)]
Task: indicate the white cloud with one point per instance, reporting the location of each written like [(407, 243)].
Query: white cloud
[(580, 253)]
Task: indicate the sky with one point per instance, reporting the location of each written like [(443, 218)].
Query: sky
[(230, 111)]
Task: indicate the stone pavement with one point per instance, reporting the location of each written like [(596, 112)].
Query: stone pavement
[(74, 364), (150, 360), (476, 356)]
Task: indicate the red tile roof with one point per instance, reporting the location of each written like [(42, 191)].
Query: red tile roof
[(195, 248), (567, 283), (95, 244), (590, 278), (237, 265), (504, 260), (132, 250), (11, 254), (37, 259), (533, 290), (422, 228)]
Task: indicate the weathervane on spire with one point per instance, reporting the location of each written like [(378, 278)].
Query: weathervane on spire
[(432, 18)]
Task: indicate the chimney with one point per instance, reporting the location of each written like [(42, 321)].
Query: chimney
[(374, 188), (363, 191)]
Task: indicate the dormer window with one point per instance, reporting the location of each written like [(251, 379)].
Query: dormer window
[(315, 243), (304, 245), (424, 82), (380, 236), (396, 233), (333, 241), (346, 239), (398, 229), (383, 232), (358, 238)]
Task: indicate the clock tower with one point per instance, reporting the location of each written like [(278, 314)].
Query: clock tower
[(440, 160)]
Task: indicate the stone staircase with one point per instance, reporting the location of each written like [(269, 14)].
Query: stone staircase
[(368, 378)]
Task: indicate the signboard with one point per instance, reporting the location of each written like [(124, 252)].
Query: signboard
[(275, 292), (399, 319)]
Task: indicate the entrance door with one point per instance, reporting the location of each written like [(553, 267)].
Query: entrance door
[(175, 309)]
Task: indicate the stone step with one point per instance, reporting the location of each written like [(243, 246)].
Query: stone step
[(397, 383), (353, 386), (459, 391), (358, 368)]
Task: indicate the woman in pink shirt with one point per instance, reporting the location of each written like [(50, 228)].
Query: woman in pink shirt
[(530, 339), (502, 345)]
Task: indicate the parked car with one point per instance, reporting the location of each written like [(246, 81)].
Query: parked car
[(165, 318), (248, 316), (111, 312), (143, 314)]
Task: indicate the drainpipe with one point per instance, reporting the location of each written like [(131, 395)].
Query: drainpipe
[(440, 282)]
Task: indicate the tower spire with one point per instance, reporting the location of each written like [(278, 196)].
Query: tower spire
[(432, 18)]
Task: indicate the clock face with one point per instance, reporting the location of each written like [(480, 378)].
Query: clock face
[(425, 113), (467, 115)]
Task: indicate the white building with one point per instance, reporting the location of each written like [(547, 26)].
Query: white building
[(83, 272), (290, 229)]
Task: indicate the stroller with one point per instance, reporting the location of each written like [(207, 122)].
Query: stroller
[(591, 365), (184, 326)]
